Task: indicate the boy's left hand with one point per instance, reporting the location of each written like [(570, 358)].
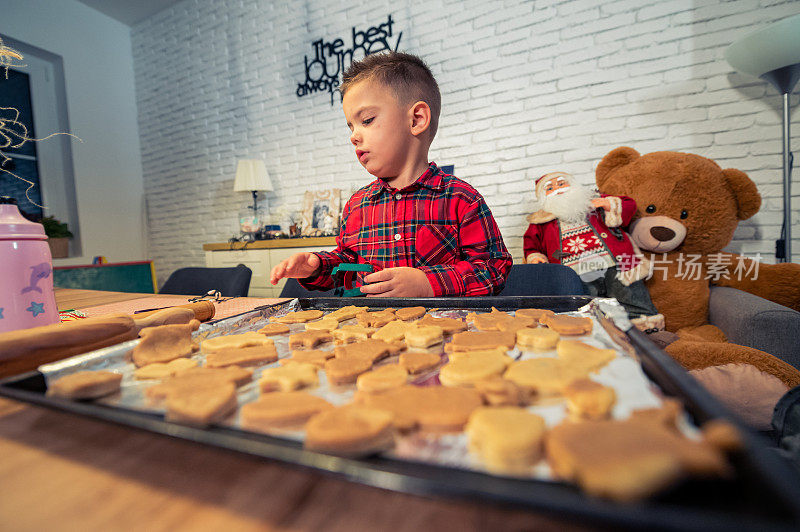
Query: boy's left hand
[(397, 282)]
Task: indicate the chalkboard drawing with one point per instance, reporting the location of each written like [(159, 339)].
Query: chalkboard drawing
[(38, 272), (321, 209)]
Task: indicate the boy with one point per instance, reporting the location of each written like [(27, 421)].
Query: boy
[(425, 232)]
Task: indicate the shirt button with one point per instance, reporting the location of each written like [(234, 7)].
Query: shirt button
[(603, 235), (618, 257), (398, 196), (397, 236)]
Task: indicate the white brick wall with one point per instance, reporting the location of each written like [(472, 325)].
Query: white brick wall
[(527, 88)]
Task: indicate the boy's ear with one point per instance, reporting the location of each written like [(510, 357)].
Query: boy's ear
[(420, 114)]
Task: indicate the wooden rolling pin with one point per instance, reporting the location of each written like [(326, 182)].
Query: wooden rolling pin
[(27, 349)]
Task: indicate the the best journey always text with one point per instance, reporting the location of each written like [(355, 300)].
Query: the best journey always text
[(329, 58)]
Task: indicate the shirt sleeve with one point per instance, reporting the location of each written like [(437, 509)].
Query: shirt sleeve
[(484, 261), (330, 259)]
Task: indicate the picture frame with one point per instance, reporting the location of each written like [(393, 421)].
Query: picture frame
[(321, 212)]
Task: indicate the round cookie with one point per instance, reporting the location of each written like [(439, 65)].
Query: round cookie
[(351, 430), (279, 409), (507, 438), (539, 339)]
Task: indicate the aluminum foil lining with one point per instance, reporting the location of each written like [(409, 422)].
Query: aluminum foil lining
[(624, 374)]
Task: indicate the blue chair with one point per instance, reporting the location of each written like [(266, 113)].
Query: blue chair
[(544, 279), (231, 282), (293, 288)]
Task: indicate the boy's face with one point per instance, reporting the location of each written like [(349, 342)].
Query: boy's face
[(380, 128)]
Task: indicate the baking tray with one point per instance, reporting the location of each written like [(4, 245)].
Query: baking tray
[(764, 493)]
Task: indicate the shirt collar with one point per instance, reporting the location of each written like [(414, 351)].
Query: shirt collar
[(430, 178)]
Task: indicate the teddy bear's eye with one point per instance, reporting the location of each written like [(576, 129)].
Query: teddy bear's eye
[(651, 208), (684, 214)]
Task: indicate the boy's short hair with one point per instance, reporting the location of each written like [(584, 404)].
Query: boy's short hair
[(406, 74)]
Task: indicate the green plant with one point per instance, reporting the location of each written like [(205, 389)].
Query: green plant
[(55, 229)]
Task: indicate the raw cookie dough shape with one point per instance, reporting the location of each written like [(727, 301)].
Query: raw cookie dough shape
[(376, 319), (301, 316), (278, 409), (419, 361), (350, 430), (85, 385), (431, 408), (164, 343), (242, 356), (382, 378), (288, 378), (483, 340), (587, 399), (309, 339), (448, 325), (469, 368), (508, 439), (317, 357), (159, 370), (539, 339), (543, 376), (346, 370), (394, 331), (201, 407), (424, 337), (273, 329), (409, 313), (568, 325), (247, 339), (325, 324)]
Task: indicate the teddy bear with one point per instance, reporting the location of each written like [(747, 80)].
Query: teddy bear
[(687, 209)]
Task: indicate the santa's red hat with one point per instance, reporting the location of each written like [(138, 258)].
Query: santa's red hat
[(540, 183)]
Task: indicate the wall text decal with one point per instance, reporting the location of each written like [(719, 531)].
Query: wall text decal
[(330, 58)]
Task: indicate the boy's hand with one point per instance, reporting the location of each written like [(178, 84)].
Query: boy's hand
[(299, 266), (397, 282)]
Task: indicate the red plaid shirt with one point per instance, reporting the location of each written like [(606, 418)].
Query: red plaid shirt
[(439, 224)]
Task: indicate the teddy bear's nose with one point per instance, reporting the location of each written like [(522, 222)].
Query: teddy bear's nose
[(662, 234)]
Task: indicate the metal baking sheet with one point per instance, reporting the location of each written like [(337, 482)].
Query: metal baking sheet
[(425, 464)]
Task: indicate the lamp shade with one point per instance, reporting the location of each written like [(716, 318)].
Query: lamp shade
[(775, 46), (251, 174)]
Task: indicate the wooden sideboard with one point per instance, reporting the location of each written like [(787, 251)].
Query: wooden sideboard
[(261, 255)]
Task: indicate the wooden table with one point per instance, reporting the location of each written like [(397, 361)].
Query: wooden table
[(64, 472), (74, 298)]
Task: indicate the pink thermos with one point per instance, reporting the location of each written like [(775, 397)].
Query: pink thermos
[(26, 272)]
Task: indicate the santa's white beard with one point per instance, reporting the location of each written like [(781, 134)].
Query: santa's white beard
[(571, 206)]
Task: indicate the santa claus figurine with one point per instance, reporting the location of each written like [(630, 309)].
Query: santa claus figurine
[(583, 232)]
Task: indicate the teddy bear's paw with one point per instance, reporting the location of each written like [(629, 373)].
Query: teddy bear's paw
[(649, 324)]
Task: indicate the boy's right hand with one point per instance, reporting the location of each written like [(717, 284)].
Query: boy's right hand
[(299, 266)]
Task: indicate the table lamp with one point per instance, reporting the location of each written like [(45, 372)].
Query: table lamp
[(251, 176), (773, 54)]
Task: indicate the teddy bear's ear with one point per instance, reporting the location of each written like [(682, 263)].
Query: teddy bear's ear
[(748, 200), (614, 159)]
